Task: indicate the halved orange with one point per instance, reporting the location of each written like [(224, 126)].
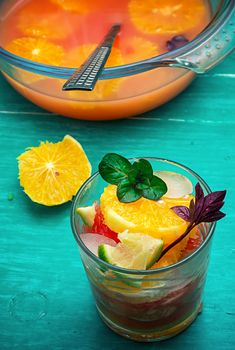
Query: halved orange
[(155, 218), (104, 88), (166, 17), (137, 48), (81, 6), (52, 173), (38, 50), (43, 20)]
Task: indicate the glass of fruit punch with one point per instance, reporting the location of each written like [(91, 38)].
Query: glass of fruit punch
[(144, 228)]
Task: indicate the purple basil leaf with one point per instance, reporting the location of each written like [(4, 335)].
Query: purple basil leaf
[(214, 217), (214, 197), (212, 207), (213, 202), (182, 212), (191, 208), (217, 196), (199, 206), (199, 192), (202, 209)]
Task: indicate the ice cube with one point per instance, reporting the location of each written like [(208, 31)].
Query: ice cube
[(93, 240), (177, 185)]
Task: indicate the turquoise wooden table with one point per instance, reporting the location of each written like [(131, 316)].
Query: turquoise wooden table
[(45, 300)]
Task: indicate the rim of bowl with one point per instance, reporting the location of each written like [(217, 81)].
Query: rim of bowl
[(131, 68), (132, 271)]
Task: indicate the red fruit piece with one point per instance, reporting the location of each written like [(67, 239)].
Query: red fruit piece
[(101, 228), (194, 242)]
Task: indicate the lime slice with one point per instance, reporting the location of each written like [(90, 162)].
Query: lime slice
[(87, 214), (136, 251), (122, 256), (152, 246)]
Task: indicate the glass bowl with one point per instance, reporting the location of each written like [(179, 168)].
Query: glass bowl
[(135, 87)]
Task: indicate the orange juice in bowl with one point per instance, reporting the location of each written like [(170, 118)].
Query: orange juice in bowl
[(44, 42)]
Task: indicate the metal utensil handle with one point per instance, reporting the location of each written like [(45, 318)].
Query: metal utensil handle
[(111, 35), (211, 51), (87, 75)]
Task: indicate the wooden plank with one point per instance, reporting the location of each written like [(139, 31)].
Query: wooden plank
[(38, 254)]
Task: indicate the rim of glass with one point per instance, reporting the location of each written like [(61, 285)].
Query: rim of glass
[(132, 271), (224, 7)]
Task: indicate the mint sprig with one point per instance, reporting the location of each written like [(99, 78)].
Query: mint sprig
[(133, 181)]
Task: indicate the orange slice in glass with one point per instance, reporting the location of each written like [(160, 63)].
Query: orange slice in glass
[(166, 17), (104, 88), (52, 173), (154, 218), (175, 254), (37, 50), (42, 19)]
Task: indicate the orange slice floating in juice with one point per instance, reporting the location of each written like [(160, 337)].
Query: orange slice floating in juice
[(42, 19), (104, 88), (52, 173), (144, 216), (78, 6), (38, 50), (136, 49), (166, 17)]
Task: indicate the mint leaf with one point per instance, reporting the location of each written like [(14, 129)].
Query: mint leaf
[(141, 170), (132, 176), (144, 168), (127, 192), (143, 185), (114, 168), (156, 189), (133, 180)]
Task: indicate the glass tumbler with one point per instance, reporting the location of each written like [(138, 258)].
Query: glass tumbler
[(145, 305)]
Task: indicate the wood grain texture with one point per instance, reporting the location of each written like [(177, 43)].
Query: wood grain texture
[(38, 253)]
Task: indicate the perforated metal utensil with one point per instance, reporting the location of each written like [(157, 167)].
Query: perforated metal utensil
[(87, 75)]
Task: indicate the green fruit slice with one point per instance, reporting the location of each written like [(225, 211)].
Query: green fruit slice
[(122, 256), (87, 214), (152, 246), (136, 251)]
